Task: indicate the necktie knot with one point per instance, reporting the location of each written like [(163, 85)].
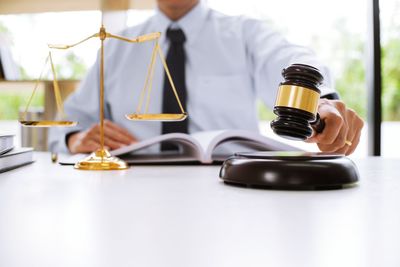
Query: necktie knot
[(176, 36)]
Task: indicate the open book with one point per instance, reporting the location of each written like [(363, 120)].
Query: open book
[(202, 147)]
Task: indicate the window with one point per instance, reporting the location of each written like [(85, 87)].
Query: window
[(27, 36), (30, 34), (390, 41)]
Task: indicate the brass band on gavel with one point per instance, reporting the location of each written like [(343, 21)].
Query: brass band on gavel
[(297, 97)]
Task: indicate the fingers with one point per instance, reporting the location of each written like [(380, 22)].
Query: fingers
[(335, 131), (355, 128), (81, 142), (354, 144), (89, 140), (342, 128), (355, 125), (90, 145), (117, 133)]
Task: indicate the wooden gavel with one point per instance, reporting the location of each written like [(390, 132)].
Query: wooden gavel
[(297, 103)]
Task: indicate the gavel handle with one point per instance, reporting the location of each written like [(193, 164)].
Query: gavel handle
[(318, 125)]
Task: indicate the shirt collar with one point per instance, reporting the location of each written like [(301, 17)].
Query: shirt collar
[(190, 24)]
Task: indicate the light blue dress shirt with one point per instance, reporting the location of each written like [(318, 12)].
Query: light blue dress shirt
[(231, 61)]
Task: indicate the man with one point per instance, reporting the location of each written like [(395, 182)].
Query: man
[(229, 62)]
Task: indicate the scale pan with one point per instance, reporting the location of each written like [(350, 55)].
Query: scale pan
[(157, 117), (48, 123)]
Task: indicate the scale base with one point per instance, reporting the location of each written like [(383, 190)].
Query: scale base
[(290, 170), (101, 160)]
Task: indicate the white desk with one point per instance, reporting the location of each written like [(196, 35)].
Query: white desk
[(52, 215)]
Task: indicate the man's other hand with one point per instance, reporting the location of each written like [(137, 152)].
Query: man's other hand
[(342, 128), (89, 140)]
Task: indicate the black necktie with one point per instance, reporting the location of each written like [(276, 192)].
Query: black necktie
[(176, 65)]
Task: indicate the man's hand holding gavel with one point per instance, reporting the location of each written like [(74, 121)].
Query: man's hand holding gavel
[(342, 128)]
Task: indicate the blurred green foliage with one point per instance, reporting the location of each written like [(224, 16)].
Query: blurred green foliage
[(12, 102), (264, 112), (3, 28), (391, 79), (351, 84), (71, 68)]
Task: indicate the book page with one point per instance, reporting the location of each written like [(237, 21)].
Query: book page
[(238, 140), (190, 146)]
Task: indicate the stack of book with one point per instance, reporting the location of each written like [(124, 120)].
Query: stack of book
[(12, 157)]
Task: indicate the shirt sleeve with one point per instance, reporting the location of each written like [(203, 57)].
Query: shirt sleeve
[(269, 52)]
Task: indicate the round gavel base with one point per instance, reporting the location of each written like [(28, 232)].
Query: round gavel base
[(290, 170)]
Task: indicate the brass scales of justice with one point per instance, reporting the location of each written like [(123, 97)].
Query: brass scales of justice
[(102, 159)]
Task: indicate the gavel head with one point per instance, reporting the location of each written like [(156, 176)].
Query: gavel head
[(297, 102)]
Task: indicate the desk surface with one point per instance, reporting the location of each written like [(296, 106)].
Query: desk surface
[(53, 215)]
